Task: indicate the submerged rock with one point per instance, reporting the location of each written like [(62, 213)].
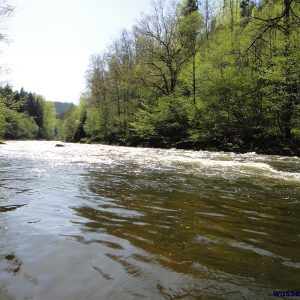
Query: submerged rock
[(59, 145), (2, 143)]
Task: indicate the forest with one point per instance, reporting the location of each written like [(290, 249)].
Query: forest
[(25, 115), (217, 75)]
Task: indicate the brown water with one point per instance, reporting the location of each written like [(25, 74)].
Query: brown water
[(101, 222)]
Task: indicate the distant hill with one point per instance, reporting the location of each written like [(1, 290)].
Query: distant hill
[(61, 107)]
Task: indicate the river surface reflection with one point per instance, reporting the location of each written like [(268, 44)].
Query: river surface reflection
[(103, 222)]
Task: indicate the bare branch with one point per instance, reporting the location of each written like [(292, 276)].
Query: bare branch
[(269, 20), (293, 13)]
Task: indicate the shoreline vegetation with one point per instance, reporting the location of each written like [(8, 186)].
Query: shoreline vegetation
[(197, 77), (221, 77), (268, 147), (281, 148)]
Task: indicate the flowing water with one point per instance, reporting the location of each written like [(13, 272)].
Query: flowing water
[(102, 222)]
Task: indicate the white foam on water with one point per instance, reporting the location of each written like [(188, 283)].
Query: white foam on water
[(196, 162)]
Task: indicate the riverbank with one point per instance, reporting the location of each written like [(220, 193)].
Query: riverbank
[(270, 145)]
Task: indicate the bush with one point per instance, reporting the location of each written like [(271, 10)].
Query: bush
[(165, 123)]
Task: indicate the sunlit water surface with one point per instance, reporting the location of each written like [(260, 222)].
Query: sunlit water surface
[(102, 222)]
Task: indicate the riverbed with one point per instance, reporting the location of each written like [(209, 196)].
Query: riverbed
[(104, 222)]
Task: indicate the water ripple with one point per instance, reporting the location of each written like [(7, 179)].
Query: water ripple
[(104, 222)]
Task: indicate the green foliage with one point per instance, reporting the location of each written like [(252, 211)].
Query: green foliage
[(2, 118), (19, 126), (49, 119), (25, 115), (72, 123), (93, 124), (197, 77), (246, 8), (165, 123), (189, 6), (276, 49), (67, 125)]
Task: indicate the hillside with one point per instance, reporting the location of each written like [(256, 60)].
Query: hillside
[(61, 107)]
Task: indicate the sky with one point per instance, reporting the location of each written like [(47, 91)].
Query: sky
[(51, 42)]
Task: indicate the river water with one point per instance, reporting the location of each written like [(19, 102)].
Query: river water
[(103, 222)]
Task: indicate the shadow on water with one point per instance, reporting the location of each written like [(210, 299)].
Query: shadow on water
[(13, 263), (10, 266), (241, 235), (10, 207)]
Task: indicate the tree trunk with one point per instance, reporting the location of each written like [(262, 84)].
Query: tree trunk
[(194, 78), (288, 105)]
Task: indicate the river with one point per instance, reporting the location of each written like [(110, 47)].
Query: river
[(104, 222)]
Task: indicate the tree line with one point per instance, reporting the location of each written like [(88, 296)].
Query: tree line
[(219, 74), (215, 75), (24, 115)]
